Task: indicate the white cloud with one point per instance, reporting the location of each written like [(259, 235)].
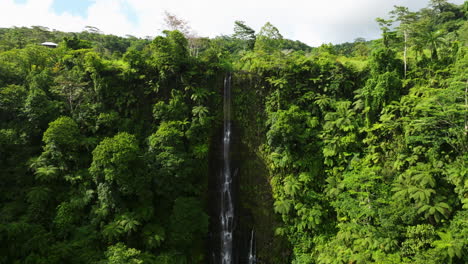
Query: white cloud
[(313, 22), (109, 16)]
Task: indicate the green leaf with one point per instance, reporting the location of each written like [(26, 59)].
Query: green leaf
[(282, 206)]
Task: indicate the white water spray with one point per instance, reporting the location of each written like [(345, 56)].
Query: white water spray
[(252, 249), (227, 207)]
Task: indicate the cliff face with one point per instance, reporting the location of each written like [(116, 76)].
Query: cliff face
[(254, 193), (256, 204)]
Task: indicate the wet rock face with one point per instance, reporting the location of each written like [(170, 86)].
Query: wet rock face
[(243, 221), (224, 220), (251, 197), (255, 194), (256, 203)]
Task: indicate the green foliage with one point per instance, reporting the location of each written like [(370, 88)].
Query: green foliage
[(115, 161), (450, 247), (245, 33), (154, 234), (121, 254), (46, 173), (188, 222), (373, 174), (170, 52), (268, 39), (11, 101), (418, 238), (39, 109), (93, 179), (105, 142), (62, 133), (75, 43), (175, 109)]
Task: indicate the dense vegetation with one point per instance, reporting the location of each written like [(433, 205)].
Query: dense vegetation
[(105, 157), (104, 141)]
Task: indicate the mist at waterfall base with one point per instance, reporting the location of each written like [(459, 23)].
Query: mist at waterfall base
[(229, 244)]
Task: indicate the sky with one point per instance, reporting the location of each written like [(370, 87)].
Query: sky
[(313, 22)]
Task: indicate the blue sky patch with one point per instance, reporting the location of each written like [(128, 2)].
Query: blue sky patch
[(74, 7), (20, 1), (130, 13)]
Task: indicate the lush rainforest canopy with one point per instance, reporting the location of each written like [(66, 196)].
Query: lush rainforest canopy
[(105, 142)]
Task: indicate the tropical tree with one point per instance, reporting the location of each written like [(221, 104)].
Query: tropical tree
[(406, 18), (269, 39), (244, 33)]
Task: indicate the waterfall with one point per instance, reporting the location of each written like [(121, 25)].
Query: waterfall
[(227, 206), (252, 249)]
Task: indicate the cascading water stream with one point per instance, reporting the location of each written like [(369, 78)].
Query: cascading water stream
[(227, 206), (252, 249)]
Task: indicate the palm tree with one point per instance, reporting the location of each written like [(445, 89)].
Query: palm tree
[(46, 173), (433, 40)]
